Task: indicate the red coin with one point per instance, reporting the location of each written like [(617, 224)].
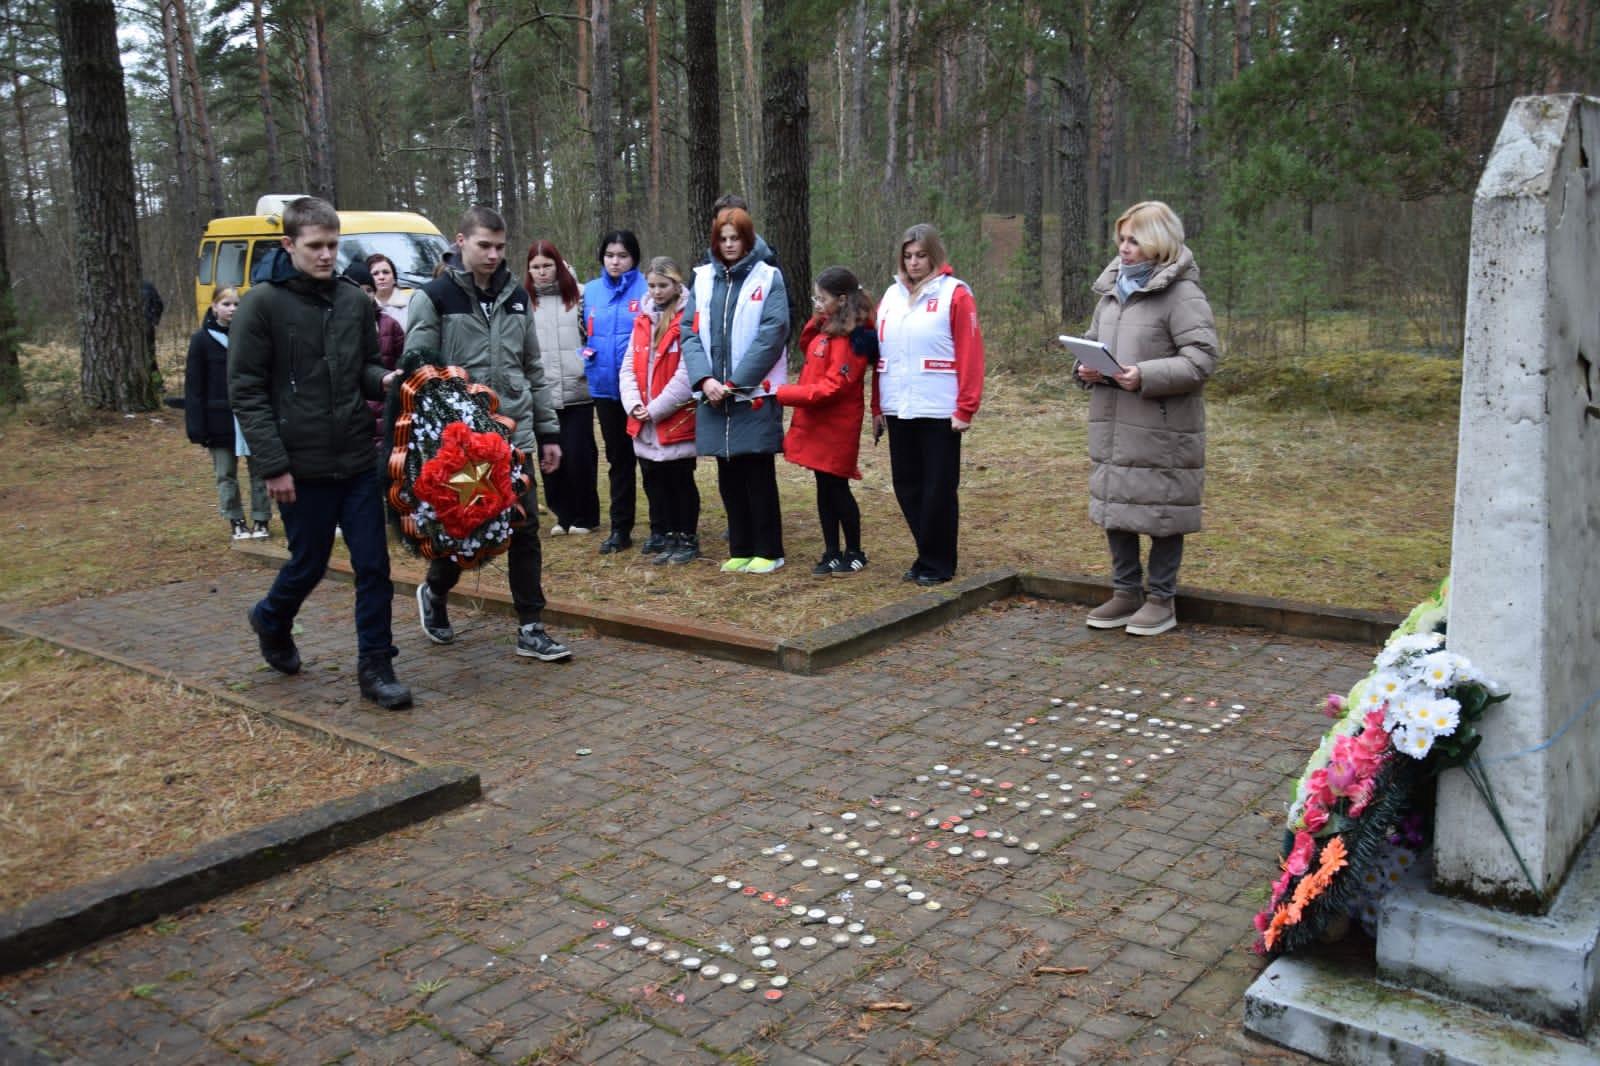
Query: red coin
[(768, 897), (773, 994), (781, 901), (931, 845), (980, 833), (947, 826), (1007, 785), (601, 923), (751, 890), (957, 819), (977, 793)]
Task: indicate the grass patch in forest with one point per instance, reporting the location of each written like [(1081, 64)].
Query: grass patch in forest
[(102, 769), (1300, 503)]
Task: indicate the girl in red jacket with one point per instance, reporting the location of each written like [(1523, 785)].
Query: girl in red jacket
[(839, 342)]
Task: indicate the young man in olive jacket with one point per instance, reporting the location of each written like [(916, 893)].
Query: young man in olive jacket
[(302, 357), (477, 317)]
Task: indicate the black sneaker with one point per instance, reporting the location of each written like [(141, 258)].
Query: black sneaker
[(929, 580), (828, 564), (687, 550), (260, 531), (375, 674), (240, 530), (435, 616), (851, 563), (617, 541), (279, 652), (534, 643), (655, 544)]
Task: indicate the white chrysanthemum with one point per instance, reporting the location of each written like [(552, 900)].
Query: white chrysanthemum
[(1407, 646), (1414, 741), (1440, 716), (1440, 669), (1404, 858), (1387, 685)]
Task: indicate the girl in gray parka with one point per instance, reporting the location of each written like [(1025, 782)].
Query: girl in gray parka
[(736, 319)]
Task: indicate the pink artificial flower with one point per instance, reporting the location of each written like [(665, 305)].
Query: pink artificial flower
[(1333, 706), (1317, 791), (1280, 888), (1316, 817), (1361, 797), (1263, 919), (1300, 856), (1342, 777)]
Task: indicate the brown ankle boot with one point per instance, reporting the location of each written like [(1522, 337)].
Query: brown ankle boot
[(1115, 612), (1156, 616)]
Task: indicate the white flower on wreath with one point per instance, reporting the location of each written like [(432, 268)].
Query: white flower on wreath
[(1440, 716), (1415, 741), (1402, 648)]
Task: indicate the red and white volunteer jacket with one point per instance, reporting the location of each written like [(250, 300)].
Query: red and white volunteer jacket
[(930, 359)]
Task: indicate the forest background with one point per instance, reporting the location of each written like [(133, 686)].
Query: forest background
[(1321, 152)]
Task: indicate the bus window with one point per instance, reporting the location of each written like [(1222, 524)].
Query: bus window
[(258, 252), (230, 263), (208, 253)]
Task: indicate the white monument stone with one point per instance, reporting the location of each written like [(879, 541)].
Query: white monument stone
[(1489, 964)]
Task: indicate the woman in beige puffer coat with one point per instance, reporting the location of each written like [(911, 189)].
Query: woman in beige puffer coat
[(1147, 425)]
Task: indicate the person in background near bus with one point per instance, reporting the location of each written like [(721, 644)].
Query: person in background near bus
[(1147, 425), (476, 317), (553, 290), (738, 312), (655, 390), (151, 304), (610, 304), (209, 418), (926, 391), (302, 356), (391, 342), (825, 434), (392, 301)]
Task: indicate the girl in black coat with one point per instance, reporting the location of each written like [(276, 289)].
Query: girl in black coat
[(210, 422)]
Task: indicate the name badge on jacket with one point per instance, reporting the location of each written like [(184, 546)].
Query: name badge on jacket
[(939, 366)]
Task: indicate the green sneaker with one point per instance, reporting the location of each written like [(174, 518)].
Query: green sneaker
[(736, 566), (759, 565)]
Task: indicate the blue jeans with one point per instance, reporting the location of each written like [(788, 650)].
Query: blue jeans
[(352, 505)]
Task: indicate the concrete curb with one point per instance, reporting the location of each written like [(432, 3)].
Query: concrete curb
[(75, 917), (78, 916), (822, 649)]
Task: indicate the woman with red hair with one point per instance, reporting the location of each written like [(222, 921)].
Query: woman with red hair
[(569, 490)]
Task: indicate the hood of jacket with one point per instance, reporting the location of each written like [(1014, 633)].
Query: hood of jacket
[(1183, 267)]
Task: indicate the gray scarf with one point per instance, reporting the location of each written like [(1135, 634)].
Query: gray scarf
[(1130, 279)]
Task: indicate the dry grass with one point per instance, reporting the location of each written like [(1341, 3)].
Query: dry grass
[(101, 770)]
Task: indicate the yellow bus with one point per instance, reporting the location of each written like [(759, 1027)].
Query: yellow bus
[(232, 248)]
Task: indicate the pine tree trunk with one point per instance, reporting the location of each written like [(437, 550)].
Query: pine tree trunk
[(1563, 24), (367, 99), (1241, 36), (750, 161), (12, 391), (188, 196), (600, 120), (118, 367), (324, 64), (1183, 87), (206, 144), (652, 43), (478, 91), (1075, 270), (1032, 273), (786, 148), (512, 194), (584, 57), (1105, 129), (705, 140), (856, 138), (264, 94), (891, 151), (319, 147)]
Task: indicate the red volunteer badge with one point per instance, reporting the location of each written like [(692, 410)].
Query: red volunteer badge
[(633, 307), (932, 305), (755, 297)]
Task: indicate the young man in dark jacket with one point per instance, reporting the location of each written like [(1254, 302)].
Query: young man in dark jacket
[(302, 355), (477, 317)]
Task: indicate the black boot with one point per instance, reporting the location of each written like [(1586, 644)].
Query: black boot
[(687, 550), (278, 651), (378, 683), (664, 551)]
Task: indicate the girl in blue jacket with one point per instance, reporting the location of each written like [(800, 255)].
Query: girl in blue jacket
[(610, 304)]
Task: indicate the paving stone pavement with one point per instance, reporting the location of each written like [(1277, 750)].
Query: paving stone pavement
[(491, 935)]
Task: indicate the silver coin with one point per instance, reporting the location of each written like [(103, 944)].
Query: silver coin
[(710, 972), (1031, 847), (867, 941), (979, 854), (1001, 860), (798, 910), (785, 857), (758, 940), (690, 962), (872, 883), (747, 985), (729, 978), (809, 864)]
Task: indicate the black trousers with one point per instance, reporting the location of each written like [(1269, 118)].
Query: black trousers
[(570, 491), (1166, 555), (673, 495), (523, 563), (837, 511), (749, 488), (925, 466), (619, 462)]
